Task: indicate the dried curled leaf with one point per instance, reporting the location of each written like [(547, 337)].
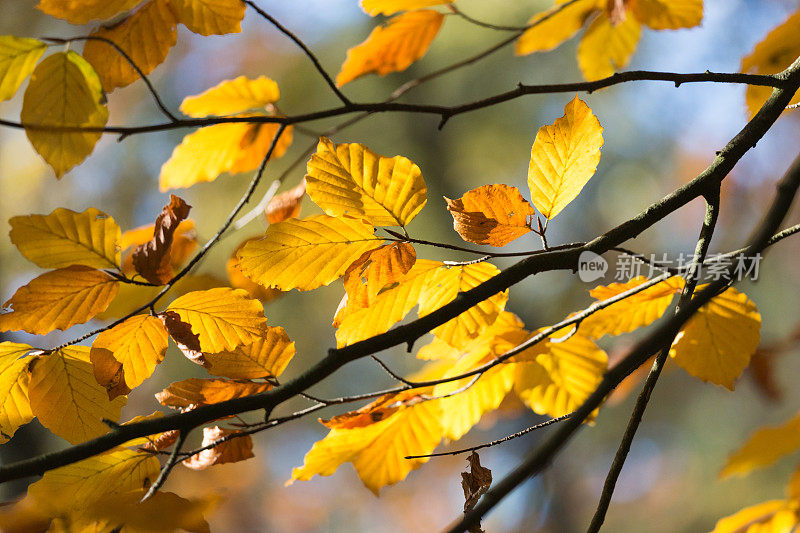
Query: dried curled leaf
[(233, 450), (153, 259), (181, 332), (286, 205), (194, 392), (491, 214), (475, 482), (109, 373)]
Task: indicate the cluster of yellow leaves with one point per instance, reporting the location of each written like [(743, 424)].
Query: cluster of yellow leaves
[(613, 29)]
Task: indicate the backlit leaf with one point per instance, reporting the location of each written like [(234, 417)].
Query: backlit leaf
[(491, 214), (83, 11), (557, 28), (607, 47), (58, 300), (153, 259), (15, 408), (223, 318), (763, 448), (78, 102), (773, 516), (266, 357), (195, 392), (65, 238), (392, 47), (237, 280), (146, 36), (255, 144), (390, 7), (233, 96), (66, 398), (376, 270), (230, 451), (716, 344), (210, 17), (668, 14), (563, 158), (109, 373), (351, 179), (636, 311), (286, 205), (18, 57), (308, 253), (139, 344)]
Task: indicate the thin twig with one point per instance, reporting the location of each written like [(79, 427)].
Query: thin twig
[(167, 468)]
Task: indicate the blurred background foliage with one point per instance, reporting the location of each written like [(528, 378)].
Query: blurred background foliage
[(657, 138)]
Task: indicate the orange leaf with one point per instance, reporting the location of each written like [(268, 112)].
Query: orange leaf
[(109, 373), (491, 214), (393, 47), (230, 451), (375, 270), (152, 259), (286, 204), (266, 357), (196, 392), (373, 412)]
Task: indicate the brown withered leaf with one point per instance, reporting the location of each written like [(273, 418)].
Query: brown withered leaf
[(230, 451), (161, 441), (475, 483), (491, 214), (377, 269), (187, 341), (108, 372), (286, 204), (195, 392), (374, 412), (152, 259)]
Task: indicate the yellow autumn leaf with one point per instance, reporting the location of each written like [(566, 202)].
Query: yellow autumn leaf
[(146, 36), (772, 54), (67, 399), (15, 408), (213, 150), (563, 158), (18, 57), (378, 450), (65, 238), (232, 96), (773, 516), (222, 318), (351, 179), (561, 377), (139, 344), (636, 311), (390, 7), (668, 14), (763, 448), (83, 11), (210, 17), (505, 333), (716, 344), (306, 253), (377, 269), (392, 47), (607, 47), (119, 470), (463, 410), (266, 357), (79, 103), (389, 307), (444, 286), (558, 27), (58, 300), (491, 214)]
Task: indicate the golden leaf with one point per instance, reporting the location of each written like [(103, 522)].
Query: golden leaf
[(717, 342), (668, 14), (231, 451), (773, 516), (763, 448), (194, 392), (146, 36), (237, 280), (351, 179), (65, 238), (18, 57), (109, 373), (233, 96), (15, 408), (83, 11), (66, 398), (636, 311), (377, 269), (308, 253), (607, 47), (266, 357), (59, 300), (563, 158), (557, 28), (210, 17), (491, 214), (255, 145), (390, 7), (139, 344), (79, 102), (392, 47), (223, 318)]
